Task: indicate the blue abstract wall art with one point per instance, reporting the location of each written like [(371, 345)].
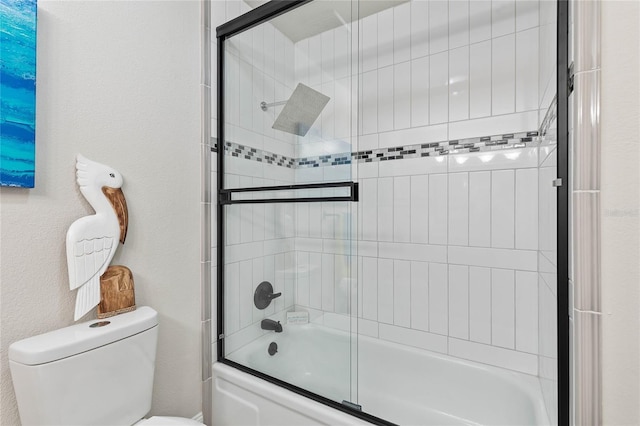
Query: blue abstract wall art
[(17, 92)]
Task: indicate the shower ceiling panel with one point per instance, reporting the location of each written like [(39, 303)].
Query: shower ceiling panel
[(323, 15)]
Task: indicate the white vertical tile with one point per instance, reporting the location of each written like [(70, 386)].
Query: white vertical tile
[(385, 38), (315, 220), (269, 116), (459, 83), (503, 17), (480, 79), (269, 271), (302, 278), (257, 272), (420, 90), (328, 279), (257, 51), (279, 281), (438, 209), (385, 291), (342, 108), (328, 55), (301, 52), (420, 295), (480, 304), (480, 208), (289, 59), (315, 280), (302, 217), (315, 60), (289, 279), (438, 26), (402, 33), (342, 283), (527, 311), (385, 209), (419, 209), (245, 293), (459, 301), (258, 222), (328, 112), (328, 219), (526, 212), (232, 298), (419, 29), (385, 99), (369, 38), (402, 95), (438, 298), (439, 88), (527, 14), (369, 210), (357, 297), (246, 214), (502, 308), (502, 209), (402, 209), (269, 221), (246, 95), (503, 78), (232, 82), (402, 293), (279, 57), (269, 49), (342, 57), (370, 288), (459, 209), (232, 230), (370, 102), (258, 96), (458, 23), (479, 20), (527, 70)]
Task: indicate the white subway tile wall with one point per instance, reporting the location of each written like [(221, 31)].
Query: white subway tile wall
[(446, 255)]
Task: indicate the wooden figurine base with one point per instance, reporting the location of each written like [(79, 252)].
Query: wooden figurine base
[(117, 293)]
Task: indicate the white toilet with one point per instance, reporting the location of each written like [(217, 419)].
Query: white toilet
[(95, 373)]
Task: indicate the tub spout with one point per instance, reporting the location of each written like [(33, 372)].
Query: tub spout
[(268, 324)]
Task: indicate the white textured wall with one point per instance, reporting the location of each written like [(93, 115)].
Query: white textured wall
[(620, 212), (118, 82)]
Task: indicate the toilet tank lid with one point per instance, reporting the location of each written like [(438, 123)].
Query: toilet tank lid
[(79, 338)]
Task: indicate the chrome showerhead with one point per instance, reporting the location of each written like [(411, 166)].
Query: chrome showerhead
[(300, 111)]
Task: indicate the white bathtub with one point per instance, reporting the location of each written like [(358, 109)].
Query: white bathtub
[(401, 384)]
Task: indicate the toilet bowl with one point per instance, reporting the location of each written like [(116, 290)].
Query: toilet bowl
[(98, 372)]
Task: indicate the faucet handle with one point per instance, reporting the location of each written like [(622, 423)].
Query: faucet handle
[(273, 296), (264, 295)]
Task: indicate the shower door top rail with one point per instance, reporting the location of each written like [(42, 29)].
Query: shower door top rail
[(225, 195)]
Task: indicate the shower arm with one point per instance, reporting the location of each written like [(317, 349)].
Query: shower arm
[(264, 106)]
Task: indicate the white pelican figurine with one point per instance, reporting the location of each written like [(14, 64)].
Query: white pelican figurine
[(92, 240)]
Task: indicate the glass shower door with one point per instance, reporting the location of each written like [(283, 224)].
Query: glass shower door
[(287, 201)]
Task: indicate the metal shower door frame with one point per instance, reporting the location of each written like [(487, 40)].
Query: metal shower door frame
[(278, 7)]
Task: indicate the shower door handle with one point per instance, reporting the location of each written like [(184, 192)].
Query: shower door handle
[(225, 196)]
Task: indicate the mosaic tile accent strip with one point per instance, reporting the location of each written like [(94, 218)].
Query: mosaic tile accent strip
[(248, 153), (486, 143)]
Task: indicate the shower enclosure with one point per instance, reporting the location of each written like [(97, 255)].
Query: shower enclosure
[(391, 206)]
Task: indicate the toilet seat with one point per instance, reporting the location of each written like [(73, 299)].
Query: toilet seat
[(168, 421)]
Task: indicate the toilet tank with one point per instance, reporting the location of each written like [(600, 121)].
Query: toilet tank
[(95, 373)]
